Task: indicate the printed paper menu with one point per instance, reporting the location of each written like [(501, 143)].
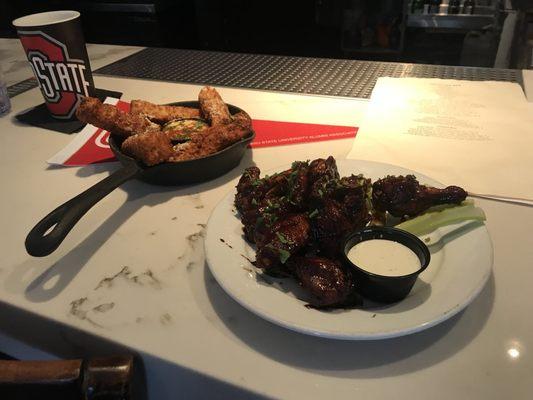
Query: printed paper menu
[(478, 135)]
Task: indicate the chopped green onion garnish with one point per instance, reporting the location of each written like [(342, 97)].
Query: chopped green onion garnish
[(282, 237), (283, 255)]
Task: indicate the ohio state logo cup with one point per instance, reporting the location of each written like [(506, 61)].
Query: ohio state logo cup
[(55, 48)]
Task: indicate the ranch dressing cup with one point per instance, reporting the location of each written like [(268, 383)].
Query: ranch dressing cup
[(55, 47), (389, 267)]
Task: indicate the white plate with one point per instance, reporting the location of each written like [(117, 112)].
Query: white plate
[(457, 273)]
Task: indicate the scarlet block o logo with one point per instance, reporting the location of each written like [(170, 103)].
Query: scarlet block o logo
[(62, 80)]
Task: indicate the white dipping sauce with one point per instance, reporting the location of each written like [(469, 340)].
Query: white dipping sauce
[(384, 257)]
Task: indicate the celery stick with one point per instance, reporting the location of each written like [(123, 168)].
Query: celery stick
[(432, 220), (441, 207)]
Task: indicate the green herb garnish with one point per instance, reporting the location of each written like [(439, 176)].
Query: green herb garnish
[(283, 256), (272, 218), (282, 238), (313, 214), (258, 222)]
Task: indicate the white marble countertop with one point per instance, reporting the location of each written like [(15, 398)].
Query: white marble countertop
[(132, 274)]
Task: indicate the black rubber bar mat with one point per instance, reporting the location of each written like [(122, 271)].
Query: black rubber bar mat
[(322, 76)]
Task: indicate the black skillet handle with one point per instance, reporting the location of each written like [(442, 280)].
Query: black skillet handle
[(48, 234)]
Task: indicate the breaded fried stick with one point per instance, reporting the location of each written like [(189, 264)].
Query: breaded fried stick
[(110, 118), (243, 120), (151, 148), (213, 139), (162, 114), (213, 107)]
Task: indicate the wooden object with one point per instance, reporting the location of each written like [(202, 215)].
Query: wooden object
[(94, 379)]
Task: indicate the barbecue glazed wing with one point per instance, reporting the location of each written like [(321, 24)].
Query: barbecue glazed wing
[(284, 238), (298, 184), (404, 196), (328, 281), (298, 219), (323, 168), (246, 189), (270, 204), (329, 226), (332, 223), (262, 202), (355, 192), (340, 206)]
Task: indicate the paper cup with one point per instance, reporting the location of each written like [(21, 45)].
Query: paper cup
[(55, 48)]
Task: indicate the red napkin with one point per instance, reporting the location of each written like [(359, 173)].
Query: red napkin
[(91, 146), (279, 133)]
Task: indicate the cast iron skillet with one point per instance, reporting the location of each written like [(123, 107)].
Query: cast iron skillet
[(48, 234)]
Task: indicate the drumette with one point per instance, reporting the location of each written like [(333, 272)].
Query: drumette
[(328, 281), (404, 196)]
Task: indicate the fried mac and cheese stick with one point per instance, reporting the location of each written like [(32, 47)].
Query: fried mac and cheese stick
[(151, 148), (110, 118), (214, 138), (213, 107), (162, 114)]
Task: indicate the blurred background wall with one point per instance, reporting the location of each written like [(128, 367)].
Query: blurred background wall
[(491, 33)]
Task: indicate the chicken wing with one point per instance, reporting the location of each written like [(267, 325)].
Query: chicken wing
[(404, 196), (285, 238), (328, 281)]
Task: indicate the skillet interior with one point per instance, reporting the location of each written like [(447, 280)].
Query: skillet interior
[(190, 171)]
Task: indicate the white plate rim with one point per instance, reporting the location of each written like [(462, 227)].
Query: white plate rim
[(212, 239)]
